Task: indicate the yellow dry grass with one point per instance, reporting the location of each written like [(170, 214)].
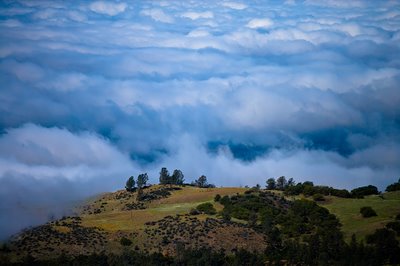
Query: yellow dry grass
[(180, 202)]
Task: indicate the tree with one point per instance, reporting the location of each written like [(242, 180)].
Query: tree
[(271, 184), (291, 182), (177, 177), (201, 181), (130, 184), (360, 192), (164, 176), (393, 187), (281, 183), (142, 180)]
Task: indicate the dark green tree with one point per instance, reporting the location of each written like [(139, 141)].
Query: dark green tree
[(393, 187), (142, 180), (281, 183), (201, 181), (177, 177), (164, 176), (271, 184), (130, 184)]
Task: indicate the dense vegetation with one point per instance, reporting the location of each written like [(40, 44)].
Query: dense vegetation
[(307, 188), (393, 187)]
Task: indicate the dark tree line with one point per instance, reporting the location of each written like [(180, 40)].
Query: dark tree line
[(177, 177), (290, 187), (132, 184), (393, 187)]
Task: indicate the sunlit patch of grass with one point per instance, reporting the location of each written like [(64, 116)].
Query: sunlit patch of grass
[(348, 212), (180, 202)]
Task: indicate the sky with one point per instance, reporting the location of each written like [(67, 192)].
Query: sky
[(92, 92)]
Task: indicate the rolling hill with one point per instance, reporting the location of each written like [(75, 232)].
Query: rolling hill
[(164, 221)]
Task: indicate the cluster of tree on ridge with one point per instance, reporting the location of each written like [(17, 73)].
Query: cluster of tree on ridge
[(177, 178), (393, 187), (290, 187)]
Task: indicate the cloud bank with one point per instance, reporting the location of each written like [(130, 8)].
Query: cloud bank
[(93, 92)]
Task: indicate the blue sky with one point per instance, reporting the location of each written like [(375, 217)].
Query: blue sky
[(93, 92)]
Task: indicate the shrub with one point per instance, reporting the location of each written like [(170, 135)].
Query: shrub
[(395, 226), (125, 241), (225, 200), (226, 216), (217, 197), (367, 212), (206, 208), (318, 197), (194, 212)]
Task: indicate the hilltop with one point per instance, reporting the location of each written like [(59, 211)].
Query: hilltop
[(167, 219)]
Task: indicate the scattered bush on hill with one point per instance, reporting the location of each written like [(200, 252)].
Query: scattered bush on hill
[(367, 211), (206, 208), (395, 226), (318, 197), (217, 198), (125, 241)]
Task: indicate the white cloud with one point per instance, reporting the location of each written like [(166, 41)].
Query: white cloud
[(198, 15), (108, 8), (158, 15), (234, 5), (260, 23)]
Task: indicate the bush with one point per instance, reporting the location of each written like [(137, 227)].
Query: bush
[(194, 212), (395, 226), (125, 241), (367, 212), (206, 208), (226, 216), (318, 197), (217, 197), (225, 200)]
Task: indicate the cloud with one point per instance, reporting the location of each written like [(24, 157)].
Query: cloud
[(50, 169), (198, 15), (94, 92), (259, 23), (107, 8), (235, 5), (158, 15)]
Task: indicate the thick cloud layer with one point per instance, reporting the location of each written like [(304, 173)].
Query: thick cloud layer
[(93, 92)]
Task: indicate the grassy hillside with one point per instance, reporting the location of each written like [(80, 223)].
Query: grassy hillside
[(386, 206), (104, 220), (161, 221)]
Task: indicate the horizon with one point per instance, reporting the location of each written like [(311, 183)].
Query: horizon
[(240, 91)]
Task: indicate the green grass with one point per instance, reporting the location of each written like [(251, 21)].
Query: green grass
[(348, 212)]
